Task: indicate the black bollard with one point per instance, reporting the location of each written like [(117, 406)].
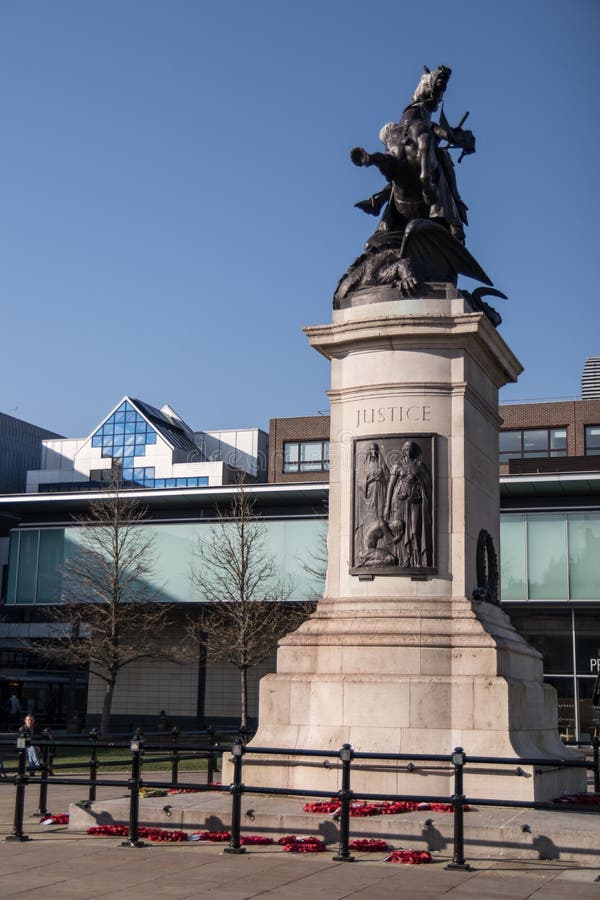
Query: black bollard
[(174, 757), (93, 765), (596, 751), (20, 781), (458, 803), (42, 809), (236, 789), (134, 795), (345, 795), (212, 756)]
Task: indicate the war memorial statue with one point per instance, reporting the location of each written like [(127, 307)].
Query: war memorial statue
[(408, 650), (420, 238)]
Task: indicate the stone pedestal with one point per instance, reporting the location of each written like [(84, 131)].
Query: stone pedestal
[(407, 662)]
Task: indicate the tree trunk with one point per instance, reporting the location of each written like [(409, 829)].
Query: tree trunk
[(244, 697), (106, 706)]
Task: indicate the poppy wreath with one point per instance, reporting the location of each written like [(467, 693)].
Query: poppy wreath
[(60, 819), (305, 845), (409, 857), (372, 845), (215, 837), (360, 809), (578, 800), (183, 791), (151, 834), (117, 830), (255, 839), (162, 834)]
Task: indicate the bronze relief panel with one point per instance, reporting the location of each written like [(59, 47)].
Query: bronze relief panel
[(393, 529)]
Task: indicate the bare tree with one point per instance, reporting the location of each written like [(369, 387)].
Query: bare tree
[(247, 604), (110, 616), (314, 562)]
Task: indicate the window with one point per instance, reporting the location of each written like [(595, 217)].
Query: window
[(534, 443), (306, 456), (592, 440)]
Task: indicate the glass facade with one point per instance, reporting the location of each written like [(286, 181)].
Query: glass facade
[(550, 556), (142, 478), (37, 555), (552, 560), (569, 641), (125, 436)]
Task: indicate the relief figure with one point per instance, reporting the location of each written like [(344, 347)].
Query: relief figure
[(393, 507)]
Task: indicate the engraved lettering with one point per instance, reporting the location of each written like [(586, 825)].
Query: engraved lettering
[(393, 414)]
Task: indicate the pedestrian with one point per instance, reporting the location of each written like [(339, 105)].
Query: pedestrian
[(14, 709), (33, 752)]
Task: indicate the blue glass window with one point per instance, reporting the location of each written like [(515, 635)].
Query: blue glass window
[(125, 436)]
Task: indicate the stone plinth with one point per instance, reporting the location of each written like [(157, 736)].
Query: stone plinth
[(408, 663)]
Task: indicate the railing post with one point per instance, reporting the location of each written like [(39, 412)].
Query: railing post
[(20, 781), (210, 772), (93, 765), (596, 751), (458, 803), (236, 789), (345, 795), (174, 756), (134, 788), (44, 768)]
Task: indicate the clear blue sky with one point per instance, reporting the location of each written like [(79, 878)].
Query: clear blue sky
[(177, 199)]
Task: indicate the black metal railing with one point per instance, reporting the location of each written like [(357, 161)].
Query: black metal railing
[(142, 752)]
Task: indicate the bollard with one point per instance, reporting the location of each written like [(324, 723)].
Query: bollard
[(135, 782), (174, 757), (93, 765), (42, 809), (236, 789), (20, 781), (345, 795), (212, 756), (596, 751), (458, 803)]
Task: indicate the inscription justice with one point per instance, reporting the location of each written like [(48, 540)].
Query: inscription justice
[(381, 414)]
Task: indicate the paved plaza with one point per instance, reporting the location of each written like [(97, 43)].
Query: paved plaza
[(56, 864)]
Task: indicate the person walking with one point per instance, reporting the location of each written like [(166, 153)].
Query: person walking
[(14, 709)]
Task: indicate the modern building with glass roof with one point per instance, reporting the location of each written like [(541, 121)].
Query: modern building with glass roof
[(153, 448)]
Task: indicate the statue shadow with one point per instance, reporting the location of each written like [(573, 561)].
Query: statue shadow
[(545, 847)]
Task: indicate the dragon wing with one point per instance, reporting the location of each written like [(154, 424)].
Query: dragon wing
[(438, 254)]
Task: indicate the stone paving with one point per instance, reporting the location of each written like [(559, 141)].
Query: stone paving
[(56, 864)]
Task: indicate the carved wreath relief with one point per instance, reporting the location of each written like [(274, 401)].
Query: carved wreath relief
[(393, 528)]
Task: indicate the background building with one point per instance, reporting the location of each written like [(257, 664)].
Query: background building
[(184, 479), (550, 542)]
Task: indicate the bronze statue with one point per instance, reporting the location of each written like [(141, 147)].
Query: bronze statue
[(420, 237)]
